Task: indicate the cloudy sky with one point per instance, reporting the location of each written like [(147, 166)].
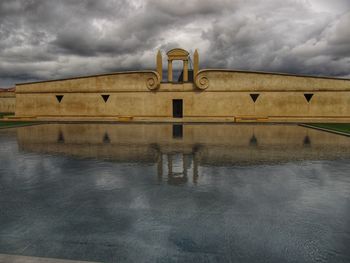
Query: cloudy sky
[(49, 39)]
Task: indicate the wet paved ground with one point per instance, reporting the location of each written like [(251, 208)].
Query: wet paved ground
[(155, 193)]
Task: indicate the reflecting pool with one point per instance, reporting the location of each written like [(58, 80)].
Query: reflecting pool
[(175, 193)]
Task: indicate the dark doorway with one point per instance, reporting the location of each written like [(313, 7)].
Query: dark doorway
[(177, 109)]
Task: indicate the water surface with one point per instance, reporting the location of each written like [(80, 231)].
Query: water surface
[(172, 193)]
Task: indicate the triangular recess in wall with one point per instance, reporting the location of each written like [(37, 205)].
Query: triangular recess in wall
[(308, 96), (105, 97), (59, 98), (254, 96)]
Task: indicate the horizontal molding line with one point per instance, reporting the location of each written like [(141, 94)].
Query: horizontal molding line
[(122, 116), (97, 116), (208, 70), (182, 91), (307, 117), (193, 116), (143, 72)]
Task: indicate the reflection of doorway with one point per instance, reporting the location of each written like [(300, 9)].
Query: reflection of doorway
[(177, 164), (177, 131), (177, 109)]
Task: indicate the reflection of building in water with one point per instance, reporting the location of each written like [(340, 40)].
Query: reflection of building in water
[(179, 159), (178, 166)]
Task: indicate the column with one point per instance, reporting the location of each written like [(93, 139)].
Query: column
[(159, 65), (170, 71), (185, 75), (195, 63)]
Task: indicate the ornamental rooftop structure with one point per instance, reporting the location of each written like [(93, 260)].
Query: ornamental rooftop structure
[(210, 95)]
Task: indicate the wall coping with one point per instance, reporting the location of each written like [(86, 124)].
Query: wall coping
[(269, 73), (90, 76)]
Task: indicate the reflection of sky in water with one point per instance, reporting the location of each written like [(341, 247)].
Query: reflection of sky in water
[(56, 205)]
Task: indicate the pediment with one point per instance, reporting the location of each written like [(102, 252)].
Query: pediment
[(178, 53)]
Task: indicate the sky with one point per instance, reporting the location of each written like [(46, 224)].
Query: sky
[(52, 39)]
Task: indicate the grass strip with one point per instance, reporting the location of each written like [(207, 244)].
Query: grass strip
[(3, 114), (12, 124), (340, 127)]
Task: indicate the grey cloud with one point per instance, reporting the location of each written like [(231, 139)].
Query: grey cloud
[(184, 8), (53, 39), (293, 40)]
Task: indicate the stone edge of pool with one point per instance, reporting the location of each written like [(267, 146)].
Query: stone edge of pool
[(6, 258), (6, 123)]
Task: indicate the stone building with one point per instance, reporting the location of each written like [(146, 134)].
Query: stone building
[(206, 95), (7, 100)]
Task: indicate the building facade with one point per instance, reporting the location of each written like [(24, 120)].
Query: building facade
[(211, 95), (7, 101)]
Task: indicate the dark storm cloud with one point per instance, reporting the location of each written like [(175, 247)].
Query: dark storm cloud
[(55, 38), (290, 39)]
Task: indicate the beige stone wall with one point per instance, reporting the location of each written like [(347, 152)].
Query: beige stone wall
[(216, 94), (205, 104), (230, 80), (119, 81), (7, 102)]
